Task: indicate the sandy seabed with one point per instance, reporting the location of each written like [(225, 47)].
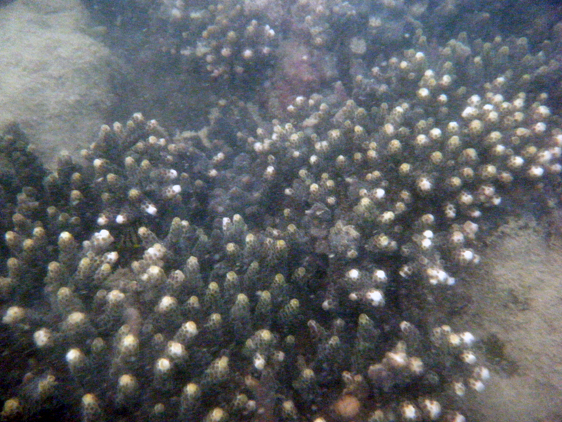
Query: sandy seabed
[(516, 310)]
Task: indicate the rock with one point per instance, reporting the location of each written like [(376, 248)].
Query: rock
[(54, 77)]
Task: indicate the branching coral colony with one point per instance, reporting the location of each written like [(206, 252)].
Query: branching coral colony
[(294, 272)]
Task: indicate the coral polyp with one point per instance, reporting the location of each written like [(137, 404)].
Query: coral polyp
[(300, 267)]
